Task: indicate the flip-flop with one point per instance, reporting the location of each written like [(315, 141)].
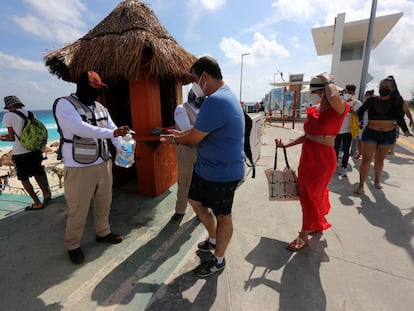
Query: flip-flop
[(359, 191), (377, 185), (31, 208)]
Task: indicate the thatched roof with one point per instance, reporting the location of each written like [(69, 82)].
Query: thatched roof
[(130, 43)]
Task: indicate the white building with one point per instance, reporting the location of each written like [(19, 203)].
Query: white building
[(346, 43)]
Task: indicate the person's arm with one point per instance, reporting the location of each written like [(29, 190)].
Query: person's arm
[(362, 110), (191, 136), (408, 113), (70, 119), (181, 118), (332, 93), (9, 136), (294, 142)]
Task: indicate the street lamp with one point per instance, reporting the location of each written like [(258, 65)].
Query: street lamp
[(241, 74)]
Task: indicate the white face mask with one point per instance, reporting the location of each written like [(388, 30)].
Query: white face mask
[(197, 90), (314, 98), (347, 96)]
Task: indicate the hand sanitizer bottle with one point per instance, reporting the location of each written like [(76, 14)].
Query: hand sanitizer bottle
[(126, 153)]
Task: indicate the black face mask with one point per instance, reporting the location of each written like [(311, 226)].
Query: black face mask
[(384, 91), (85, 92)]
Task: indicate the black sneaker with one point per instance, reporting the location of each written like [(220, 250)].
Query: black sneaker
[(209, 267), (76, 256), (111, 238), (206, 246)]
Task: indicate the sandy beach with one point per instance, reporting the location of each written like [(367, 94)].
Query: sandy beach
[(54, 169)]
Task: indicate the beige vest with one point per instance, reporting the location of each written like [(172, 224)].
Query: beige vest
[(88, 150)]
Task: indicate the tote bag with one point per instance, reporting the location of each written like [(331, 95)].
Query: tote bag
[(283, 184)]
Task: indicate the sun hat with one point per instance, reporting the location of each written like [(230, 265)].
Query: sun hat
[(316, 83), (12, 101)]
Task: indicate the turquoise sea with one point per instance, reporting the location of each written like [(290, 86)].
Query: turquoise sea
[(46, 116)]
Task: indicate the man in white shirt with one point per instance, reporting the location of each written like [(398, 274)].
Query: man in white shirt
[(27, 163), (185, 116), (85, 125), (344, 138)]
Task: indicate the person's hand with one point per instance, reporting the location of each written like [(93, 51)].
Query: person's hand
[(279, 143), (121, 131), (174, 132), (408, 134), (326, 76), (166, 138)]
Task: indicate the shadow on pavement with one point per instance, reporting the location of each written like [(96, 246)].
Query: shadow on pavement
[(33, 259), (300, 272), (153, 258), (399, 229)]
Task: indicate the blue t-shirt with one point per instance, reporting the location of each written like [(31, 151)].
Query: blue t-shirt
[(220, 155)]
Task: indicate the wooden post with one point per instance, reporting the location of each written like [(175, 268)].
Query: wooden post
[(156, 164)]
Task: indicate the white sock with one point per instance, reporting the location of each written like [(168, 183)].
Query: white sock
[(219, 259), (212, 241)]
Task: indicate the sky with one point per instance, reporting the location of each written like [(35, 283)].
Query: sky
[(276, 34)]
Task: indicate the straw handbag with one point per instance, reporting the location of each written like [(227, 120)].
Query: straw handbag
[(283, 184)]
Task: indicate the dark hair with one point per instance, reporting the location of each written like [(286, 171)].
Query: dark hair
[(395, 94), (350, 87), (207, 64), (369, 92)]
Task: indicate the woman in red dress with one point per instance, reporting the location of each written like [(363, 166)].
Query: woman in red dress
[(324, 119)]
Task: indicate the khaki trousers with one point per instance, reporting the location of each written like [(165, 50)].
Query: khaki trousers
[(187, 157), (83, 185)]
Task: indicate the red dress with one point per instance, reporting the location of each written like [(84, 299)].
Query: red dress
[(316, 167)]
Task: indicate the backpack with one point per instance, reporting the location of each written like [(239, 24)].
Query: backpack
[(248, 124), (34, 133)]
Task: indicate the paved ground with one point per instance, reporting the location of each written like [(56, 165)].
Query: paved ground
[(364, 262)]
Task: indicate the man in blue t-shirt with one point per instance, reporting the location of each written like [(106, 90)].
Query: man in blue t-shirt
[(219, 135)]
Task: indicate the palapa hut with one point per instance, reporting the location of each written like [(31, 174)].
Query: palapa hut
[(145, 69)]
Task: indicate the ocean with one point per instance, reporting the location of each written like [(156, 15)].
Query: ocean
[(46, 116)]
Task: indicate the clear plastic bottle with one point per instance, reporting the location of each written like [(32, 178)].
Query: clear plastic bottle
[(126, 153)]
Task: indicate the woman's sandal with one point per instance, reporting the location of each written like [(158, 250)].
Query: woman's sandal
[(297, 244), (377, 185), (359, 191)]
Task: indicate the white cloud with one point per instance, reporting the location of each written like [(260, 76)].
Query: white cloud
[(194, 10), (59, 21), (21, 64), (261, 49), (212, 5)]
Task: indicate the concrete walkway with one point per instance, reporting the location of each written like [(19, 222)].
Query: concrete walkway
[(364, 262)]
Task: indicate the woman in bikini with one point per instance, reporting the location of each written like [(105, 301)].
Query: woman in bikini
[(324, 119), (379, 134)]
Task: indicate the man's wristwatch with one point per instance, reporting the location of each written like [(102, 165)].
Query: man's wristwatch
[(173, 141)]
